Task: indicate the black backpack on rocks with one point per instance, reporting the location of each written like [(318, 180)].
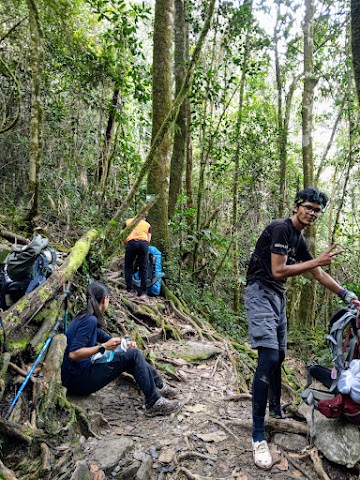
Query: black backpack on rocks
[(24, 269)]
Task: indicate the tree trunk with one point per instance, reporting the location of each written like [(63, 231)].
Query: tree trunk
[(306, 312), (234, 220), (162, 93), (36, 119), (167, 123), (280, 125), (103, 168), (283, 119), (181, 127), (355, 42), (330, 142), (308, 95)]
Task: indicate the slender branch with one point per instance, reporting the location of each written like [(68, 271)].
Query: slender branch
[(15, 120), (12, 29)]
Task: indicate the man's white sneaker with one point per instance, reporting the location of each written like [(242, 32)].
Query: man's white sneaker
[(262, 455)]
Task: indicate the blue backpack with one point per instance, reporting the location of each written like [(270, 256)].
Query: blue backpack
[(155, 273)]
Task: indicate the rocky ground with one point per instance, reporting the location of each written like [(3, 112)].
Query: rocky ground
[(209, 438)]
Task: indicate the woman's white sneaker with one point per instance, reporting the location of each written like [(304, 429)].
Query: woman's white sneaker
[(262, 455)]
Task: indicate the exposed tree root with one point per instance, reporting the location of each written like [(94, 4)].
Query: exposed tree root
[(22, 372), (187, 319), (295, 464), (20, 433), (192, 453), (289, 426), (5, 360), (46, 458), (238, 398), (194, 476), (227, 429), (319, 469), (6, 473)]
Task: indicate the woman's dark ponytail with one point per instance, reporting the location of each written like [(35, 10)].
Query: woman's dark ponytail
[(95, 292)]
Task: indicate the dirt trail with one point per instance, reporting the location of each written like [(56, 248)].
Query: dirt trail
[(208, 438)]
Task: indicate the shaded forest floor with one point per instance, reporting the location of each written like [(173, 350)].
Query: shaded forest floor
[(208, 438)]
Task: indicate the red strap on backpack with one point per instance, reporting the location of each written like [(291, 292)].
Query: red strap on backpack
[(332, 407)]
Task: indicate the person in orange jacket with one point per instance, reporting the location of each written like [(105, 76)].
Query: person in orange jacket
[(137, 246)]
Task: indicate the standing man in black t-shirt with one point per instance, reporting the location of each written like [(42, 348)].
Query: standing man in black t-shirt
[(280, 252)]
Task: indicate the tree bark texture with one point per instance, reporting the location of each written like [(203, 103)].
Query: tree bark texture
[(36, 118), (234, 220), (280, 125), (103, 168), (355, 42), (162, 97), (306, 312), (181, 127), (308, 94)]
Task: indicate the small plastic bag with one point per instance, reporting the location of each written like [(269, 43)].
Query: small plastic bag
[(105, 357), (349, 381)]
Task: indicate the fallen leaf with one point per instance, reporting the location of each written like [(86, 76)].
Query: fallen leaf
[(100, 475), (196, 408), (282, 464), (212, 437), (167, 455), (211, 449), (297, 474)]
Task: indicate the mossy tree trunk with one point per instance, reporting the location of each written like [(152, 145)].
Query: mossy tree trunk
[(306, 314), (234, 220), (36, 119), (181, 127), (355, 42), (162, 97), (168, 121)]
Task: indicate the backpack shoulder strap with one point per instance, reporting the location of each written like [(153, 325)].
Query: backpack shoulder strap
[(312, 396)]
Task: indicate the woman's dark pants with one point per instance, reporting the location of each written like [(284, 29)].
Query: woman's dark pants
[(133, 362)]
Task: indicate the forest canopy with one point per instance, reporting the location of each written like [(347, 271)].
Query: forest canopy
[(266, 104)]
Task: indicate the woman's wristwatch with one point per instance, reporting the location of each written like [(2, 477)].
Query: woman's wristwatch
[(102, 349)]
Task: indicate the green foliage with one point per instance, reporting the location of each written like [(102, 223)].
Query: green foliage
[(310, 345), (207, 304)]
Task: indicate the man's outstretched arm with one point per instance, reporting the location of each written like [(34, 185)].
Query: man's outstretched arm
[(281, 270)]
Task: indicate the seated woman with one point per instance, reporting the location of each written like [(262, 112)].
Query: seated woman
[(85, 338)]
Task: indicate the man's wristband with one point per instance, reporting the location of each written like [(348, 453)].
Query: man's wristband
[(342, 293), (102, 349)]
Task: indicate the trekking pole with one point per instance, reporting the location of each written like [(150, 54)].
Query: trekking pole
[(43, 350)]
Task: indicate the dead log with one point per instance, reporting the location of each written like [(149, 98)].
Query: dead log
[(5, 360), (28, 306), (11, 237), (50, 403), (47, 318)]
